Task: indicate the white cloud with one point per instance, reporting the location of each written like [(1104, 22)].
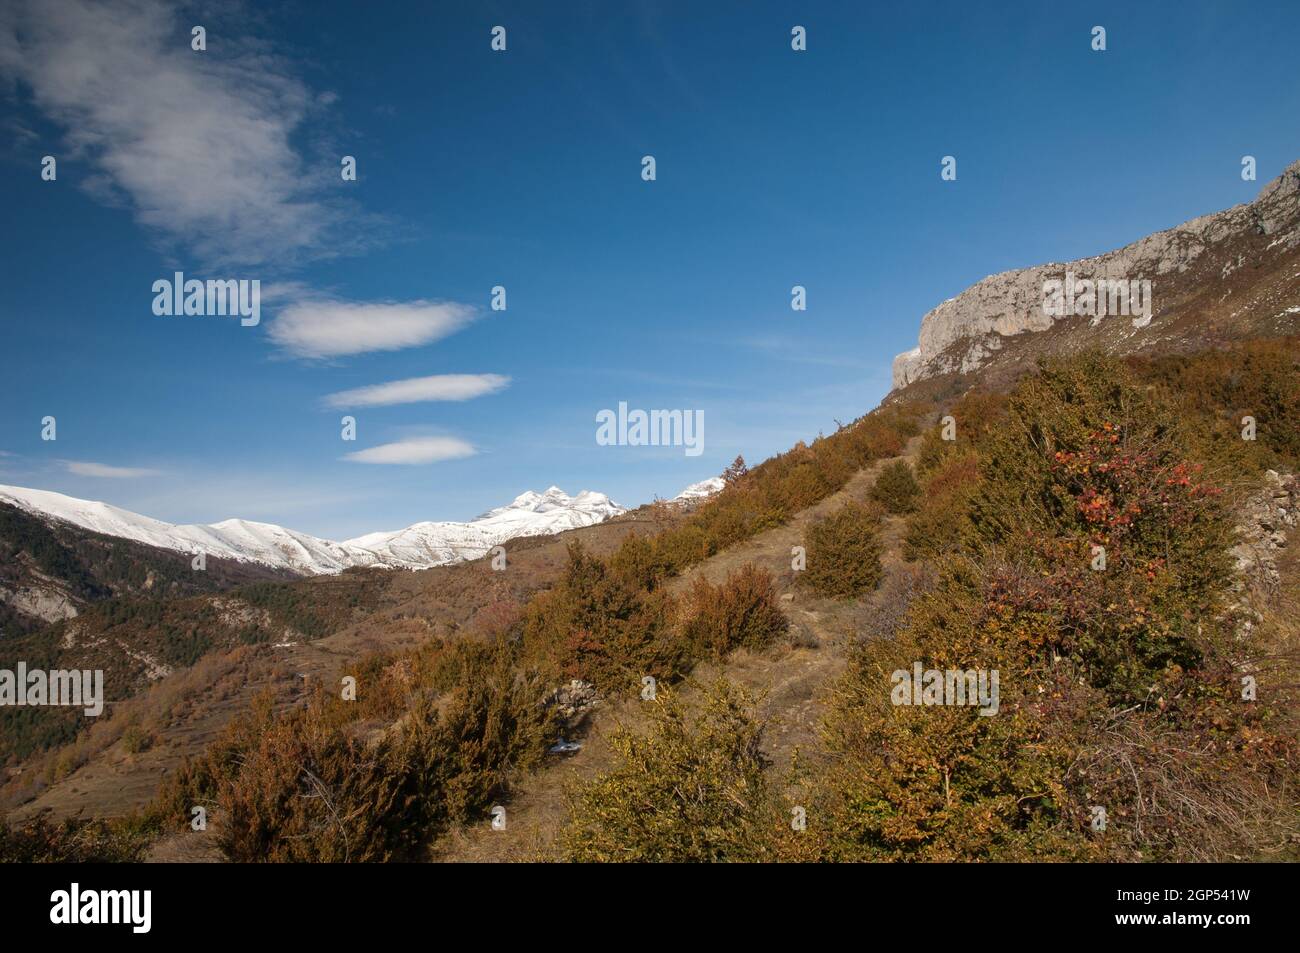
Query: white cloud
[(198, 144), (417, 389), (84, 468), (330, 327), (414, 450)]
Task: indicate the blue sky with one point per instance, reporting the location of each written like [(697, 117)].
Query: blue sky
[(522, 169)]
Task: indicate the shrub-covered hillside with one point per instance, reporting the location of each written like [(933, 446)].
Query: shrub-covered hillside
[(1077, 532), (1070, 537)]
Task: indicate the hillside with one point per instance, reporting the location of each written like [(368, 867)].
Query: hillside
[(803, 673), (52, 570), (792, 680), (180, 670), (74, 598)]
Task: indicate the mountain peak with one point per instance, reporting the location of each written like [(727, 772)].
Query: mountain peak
[(701, 490)]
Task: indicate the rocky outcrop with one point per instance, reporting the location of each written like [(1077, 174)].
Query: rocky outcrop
[(47, 603), (1267, 519), (574, 700), (962, 333)]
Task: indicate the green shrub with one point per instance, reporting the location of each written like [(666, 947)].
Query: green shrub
[(896, 488), (597, 625), (136, 739), (691, 788), (974, 416), (843, 553), (634, 562), (1092, 458), (939, 521)]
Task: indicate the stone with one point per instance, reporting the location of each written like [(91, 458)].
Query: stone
[(575, 698)]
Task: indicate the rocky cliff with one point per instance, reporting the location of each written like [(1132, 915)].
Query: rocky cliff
[(1214, 267)]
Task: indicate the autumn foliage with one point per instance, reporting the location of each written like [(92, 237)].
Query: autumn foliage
[(1083, 556)]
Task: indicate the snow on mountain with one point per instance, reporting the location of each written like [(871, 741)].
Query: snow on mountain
[(698, 491), (415, 547), (529, 514)]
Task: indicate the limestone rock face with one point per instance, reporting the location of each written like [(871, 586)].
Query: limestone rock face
[(963, 332)]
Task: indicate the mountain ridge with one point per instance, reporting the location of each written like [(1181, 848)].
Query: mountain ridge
[(1205, 273), (418, 546)]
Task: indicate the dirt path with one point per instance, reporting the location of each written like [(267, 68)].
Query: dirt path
[(791, 681)]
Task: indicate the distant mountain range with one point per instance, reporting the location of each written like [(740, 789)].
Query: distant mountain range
[(419, 546)]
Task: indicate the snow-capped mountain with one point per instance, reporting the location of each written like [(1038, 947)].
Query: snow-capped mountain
[(415, 547), (529, 514), (698, 491)]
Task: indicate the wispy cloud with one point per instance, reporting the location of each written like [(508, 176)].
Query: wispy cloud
[(414, 450), (198, 144), (322, 327), (416, 390), (88, 469)]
